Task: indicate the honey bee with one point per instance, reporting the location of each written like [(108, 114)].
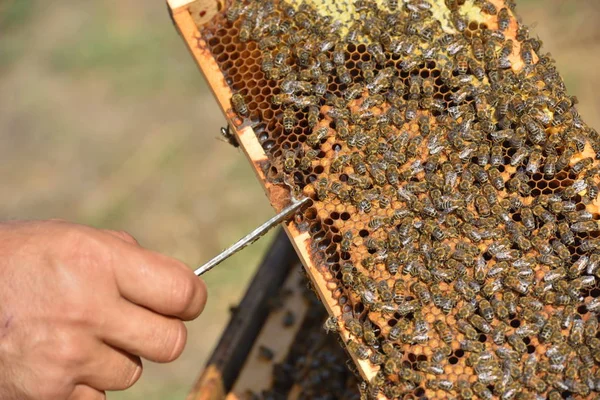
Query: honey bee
[(590, 244), (414, 88), (429, 368), (372, 101), (279, 99), (411, 110), (354, 326), (487, 7), (377, 358), (480, 323), (396, 331), (239, 105), (347, 270), (364, 205), (577, 332), (466, 310), (322, 189), (392, 264), (353, 91), (496, 178), (359, 350), (269, 42), (245, 31), (376, 52), (346, 243), (561, 250), (517, 343), (440, 384), (408, 374), (458, 21), (592, 189), (464, 390), (527, 53), (549, 329), (444, 331), (339, 162), (499, 333), (234, 11), (504, 19), (267, 62), (462, 62), (369, 335), (582, 164), (477, 46), (422, 293), (306, 160), (331, 325), (289, 161), (482, 205), (472, 346), (315, 138), (289, 119), (467, 329), (343, 74), (591, 327)]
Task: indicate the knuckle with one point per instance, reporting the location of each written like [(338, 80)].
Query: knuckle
[(69, 354), (73, 244), (77, 310), (72, 236), (81, 246), (126, 236)]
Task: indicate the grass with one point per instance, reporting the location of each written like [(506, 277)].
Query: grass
[(130, 57), (13, 14)]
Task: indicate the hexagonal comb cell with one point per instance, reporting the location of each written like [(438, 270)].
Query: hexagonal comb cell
[(453, 185)]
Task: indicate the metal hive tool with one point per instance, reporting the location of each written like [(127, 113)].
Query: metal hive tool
[(453, 233)]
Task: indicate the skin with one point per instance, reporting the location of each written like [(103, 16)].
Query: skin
[(80, 307)]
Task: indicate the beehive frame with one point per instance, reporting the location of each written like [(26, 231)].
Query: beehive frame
[(187, 15), (199, 12), (182, 13)]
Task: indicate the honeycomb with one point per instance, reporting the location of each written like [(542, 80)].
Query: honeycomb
[(453, 184)]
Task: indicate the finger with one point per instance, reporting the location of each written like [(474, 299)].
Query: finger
[(144, 333), (84, 392), (159, 283), (125, 236), (111, 369)]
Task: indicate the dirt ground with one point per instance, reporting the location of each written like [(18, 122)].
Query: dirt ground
[(105, 120)]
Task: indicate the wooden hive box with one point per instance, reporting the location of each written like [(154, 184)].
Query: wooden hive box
[(273, 314)]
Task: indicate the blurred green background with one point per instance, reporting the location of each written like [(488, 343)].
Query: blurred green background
[(105, 120)]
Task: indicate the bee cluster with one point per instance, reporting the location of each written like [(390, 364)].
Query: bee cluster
[(315, 367), (454, 187)]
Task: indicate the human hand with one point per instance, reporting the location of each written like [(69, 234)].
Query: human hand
[(80, 306)]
